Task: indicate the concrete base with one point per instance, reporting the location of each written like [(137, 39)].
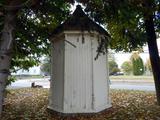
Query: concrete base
[(75, 111), (55, 112)]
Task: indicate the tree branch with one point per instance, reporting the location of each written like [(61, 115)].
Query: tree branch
[(18, 4)]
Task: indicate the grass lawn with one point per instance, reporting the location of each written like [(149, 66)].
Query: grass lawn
[(131, 77), (29, 77), (31, 104)]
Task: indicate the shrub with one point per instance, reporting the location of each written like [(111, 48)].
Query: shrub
[(127, 67)]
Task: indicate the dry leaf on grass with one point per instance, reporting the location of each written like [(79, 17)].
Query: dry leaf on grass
[(31, 104)]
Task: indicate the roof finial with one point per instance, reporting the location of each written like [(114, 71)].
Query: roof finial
[(79, 6)]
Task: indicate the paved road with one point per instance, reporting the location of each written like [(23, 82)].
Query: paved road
[(130, 86), (27, 83), (114, 84)]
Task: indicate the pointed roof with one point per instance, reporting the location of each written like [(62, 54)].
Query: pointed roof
[(79, 21)]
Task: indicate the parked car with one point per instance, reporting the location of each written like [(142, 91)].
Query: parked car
[(117, 73)]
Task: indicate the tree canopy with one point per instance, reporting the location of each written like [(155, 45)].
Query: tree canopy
[(37, 18), (34, 25), (113, 67), (124, 20), (137, 64), (127, 67)]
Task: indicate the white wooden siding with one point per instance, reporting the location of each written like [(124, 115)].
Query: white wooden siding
[(79, 83), (78, 90), (100, 77), (57, 76)]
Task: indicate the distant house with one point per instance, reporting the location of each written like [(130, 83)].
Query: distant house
[(32, 71)]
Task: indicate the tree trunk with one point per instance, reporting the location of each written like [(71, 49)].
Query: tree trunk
[(7, 40), (153, 51), (6, 46)]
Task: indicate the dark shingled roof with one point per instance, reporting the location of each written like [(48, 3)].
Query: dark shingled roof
[(79, 21)]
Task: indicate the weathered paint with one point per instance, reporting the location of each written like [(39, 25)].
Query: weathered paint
[(78, 71), (100, 77), (79, 83), (57, 76)]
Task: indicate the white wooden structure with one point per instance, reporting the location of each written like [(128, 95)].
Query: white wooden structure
[(79, 83)]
